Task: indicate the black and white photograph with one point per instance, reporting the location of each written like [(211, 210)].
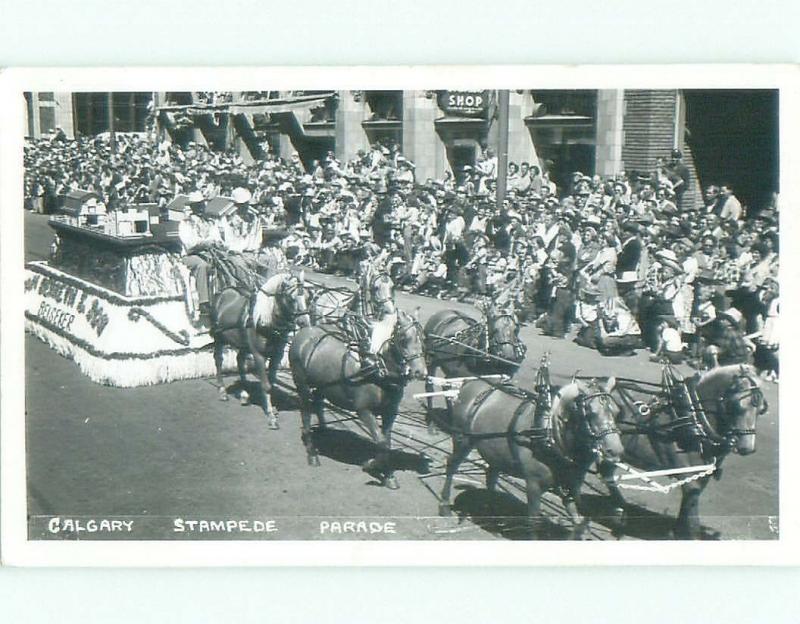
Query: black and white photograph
[(499, 315)]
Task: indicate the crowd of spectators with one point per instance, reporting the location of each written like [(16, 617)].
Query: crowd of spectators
[(626, 260)]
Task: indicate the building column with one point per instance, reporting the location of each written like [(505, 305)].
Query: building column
[(65, 117), (286, 148), (350, 135), (520, 145), (610, 135), (421, 143)]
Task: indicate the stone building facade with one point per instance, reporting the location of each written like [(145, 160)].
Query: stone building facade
[(593, 131)]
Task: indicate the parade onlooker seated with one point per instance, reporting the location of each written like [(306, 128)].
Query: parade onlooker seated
[(670, 346), (623, 235), (767, 338)]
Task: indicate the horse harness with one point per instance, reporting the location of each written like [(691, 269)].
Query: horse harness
[(363, 374), (542, 438), (688, 422), (483, 334)]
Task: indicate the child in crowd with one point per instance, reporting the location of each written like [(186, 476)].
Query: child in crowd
[(670, 345)]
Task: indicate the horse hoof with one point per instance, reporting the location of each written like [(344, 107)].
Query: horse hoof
[(391, 483), (244, 399), (372, 469), (313, 460), (445, 509), (273, 424), (223, 396)]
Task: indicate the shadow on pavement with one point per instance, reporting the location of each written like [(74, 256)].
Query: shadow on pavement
[(502, 515), (281, 399), (349, 448), (640, 523)]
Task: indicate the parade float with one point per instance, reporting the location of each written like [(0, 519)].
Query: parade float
[(115, 297)]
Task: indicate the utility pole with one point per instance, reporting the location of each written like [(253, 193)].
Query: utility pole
[(111, 134), (502, 148)]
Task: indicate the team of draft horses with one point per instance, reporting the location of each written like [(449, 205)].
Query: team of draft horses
[(549, 437)]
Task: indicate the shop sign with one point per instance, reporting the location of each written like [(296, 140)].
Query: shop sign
[(464, 103)]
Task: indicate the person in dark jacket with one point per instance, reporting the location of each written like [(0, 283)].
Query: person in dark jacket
[(627, 271)]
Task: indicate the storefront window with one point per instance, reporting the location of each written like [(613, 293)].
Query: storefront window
[(577, 103), (385, 105), (563, 130)]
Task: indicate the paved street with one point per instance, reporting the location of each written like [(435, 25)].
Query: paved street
[(174, 451)]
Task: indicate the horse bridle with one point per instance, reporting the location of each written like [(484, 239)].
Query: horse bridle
[(402, 359), (735, 396), (595, 434), (289, 287), (493, 344)]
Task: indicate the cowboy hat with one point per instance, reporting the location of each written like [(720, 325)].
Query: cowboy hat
[(241, 195)]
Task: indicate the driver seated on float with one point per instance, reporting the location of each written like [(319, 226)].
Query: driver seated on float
[(198, 233), (375, 301), (244, 234), (242, 230)]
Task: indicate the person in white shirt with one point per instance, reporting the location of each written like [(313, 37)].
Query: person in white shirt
[(670, 344), (488, 166), (731, 209), (197, 233), (243, 230)]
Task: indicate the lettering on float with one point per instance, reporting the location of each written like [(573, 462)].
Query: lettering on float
[(65, 303)]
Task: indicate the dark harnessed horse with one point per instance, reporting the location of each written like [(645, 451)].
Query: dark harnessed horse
[(259, 323), (462, 346), (549, 442), (329, 305), (325, 366), (690, 422)]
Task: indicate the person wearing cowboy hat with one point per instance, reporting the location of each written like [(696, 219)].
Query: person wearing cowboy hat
[(378, 310), (243, 229), (197, 234), (675, 289)]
